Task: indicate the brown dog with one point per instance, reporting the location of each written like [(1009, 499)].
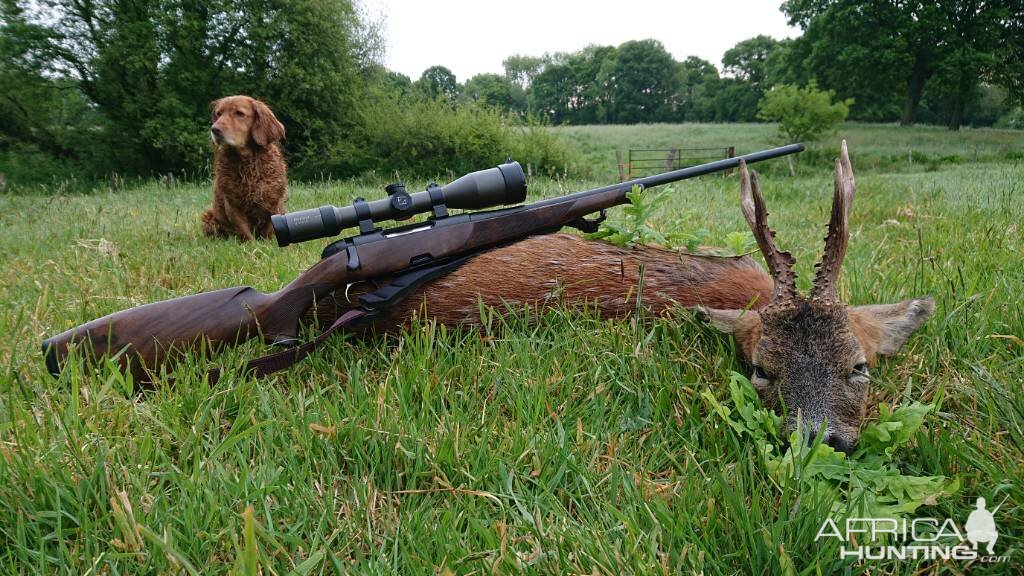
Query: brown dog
[(249, 173)]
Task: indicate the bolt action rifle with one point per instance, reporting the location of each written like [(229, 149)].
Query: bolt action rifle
[(149, 337)]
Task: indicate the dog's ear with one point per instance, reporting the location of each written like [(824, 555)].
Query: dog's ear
[(266, 130), (213, 110)]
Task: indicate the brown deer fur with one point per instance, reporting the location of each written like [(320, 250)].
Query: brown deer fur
[(568, 270), (562, 268)]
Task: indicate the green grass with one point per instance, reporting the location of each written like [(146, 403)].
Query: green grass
[(565, 445), (878, 146)]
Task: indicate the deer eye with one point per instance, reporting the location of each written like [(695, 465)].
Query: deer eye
[(860, 370), (760, 374)]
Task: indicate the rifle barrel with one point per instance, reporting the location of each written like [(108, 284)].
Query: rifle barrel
[(682, 173)]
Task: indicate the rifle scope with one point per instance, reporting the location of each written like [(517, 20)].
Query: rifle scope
[(502, 185)]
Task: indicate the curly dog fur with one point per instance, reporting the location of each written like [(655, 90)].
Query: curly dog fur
[(250, 174)]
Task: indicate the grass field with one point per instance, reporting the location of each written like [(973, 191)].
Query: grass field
[(569, 445), (880, 147)]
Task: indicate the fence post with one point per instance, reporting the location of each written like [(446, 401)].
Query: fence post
[(730, 152), (622, 168), (670, 159)]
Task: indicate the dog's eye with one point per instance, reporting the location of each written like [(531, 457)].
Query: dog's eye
[(239, 113)]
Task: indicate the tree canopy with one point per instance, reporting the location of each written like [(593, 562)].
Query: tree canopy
[(144, 73), (439, 82), (883, 51)]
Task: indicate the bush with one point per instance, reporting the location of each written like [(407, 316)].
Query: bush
[(545, 153), (435, 137), (803, 114), (1012, 119)]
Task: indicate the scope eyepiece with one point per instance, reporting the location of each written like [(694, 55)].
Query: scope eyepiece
[(499, 186)]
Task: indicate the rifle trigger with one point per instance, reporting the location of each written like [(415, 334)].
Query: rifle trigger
[(588, 226), (349, 287)]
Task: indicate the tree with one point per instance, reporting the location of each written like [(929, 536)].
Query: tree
[(37, 110), (747, 60), (521, 70), (568, 91), (148, 69), (885, 46), (1009, 56), (803, 114), (974, 35), (746, 64), (875, 49), (495, 91), (439, 82), (695, 92), (785, 64), (735, 100), (391, 83), (640, 83)]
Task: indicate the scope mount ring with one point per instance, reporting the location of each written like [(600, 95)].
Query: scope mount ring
[(437, 201)]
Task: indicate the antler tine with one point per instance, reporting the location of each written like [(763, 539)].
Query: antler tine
[(826, 278), (779, 263)]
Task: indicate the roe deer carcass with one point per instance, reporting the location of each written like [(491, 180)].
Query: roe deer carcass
[(811, 353)]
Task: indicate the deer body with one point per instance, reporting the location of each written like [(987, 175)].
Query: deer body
[(563, 268)]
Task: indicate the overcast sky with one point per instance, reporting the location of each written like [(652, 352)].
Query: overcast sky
[(473, 37)]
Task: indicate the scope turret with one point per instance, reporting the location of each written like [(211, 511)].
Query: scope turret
[(499, 186)]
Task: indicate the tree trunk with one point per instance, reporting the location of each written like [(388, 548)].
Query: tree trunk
[(963, 93), (958, 110), (915, 87)]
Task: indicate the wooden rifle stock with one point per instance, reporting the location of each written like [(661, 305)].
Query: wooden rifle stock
[(150, 336)]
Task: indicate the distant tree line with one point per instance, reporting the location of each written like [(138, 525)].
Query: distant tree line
[(102, 86), (950, 62)]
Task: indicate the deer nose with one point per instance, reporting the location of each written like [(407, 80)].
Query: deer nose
[(839, 443), (835, 441)]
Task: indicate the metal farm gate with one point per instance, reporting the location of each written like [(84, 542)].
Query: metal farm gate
[(647, 161)]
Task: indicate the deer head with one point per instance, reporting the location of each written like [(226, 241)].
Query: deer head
[(811, 356)]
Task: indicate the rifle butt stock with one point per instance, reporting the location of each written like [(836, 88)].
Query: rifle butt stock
[(149, 336)]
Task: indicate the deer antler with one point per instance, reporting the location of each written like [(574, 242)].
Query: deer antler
[(779, 263), (825, 279)]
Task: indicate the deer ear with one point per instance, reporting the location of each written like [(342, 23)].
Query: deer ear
[(883, 328), (744, 325), (267, 129)]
